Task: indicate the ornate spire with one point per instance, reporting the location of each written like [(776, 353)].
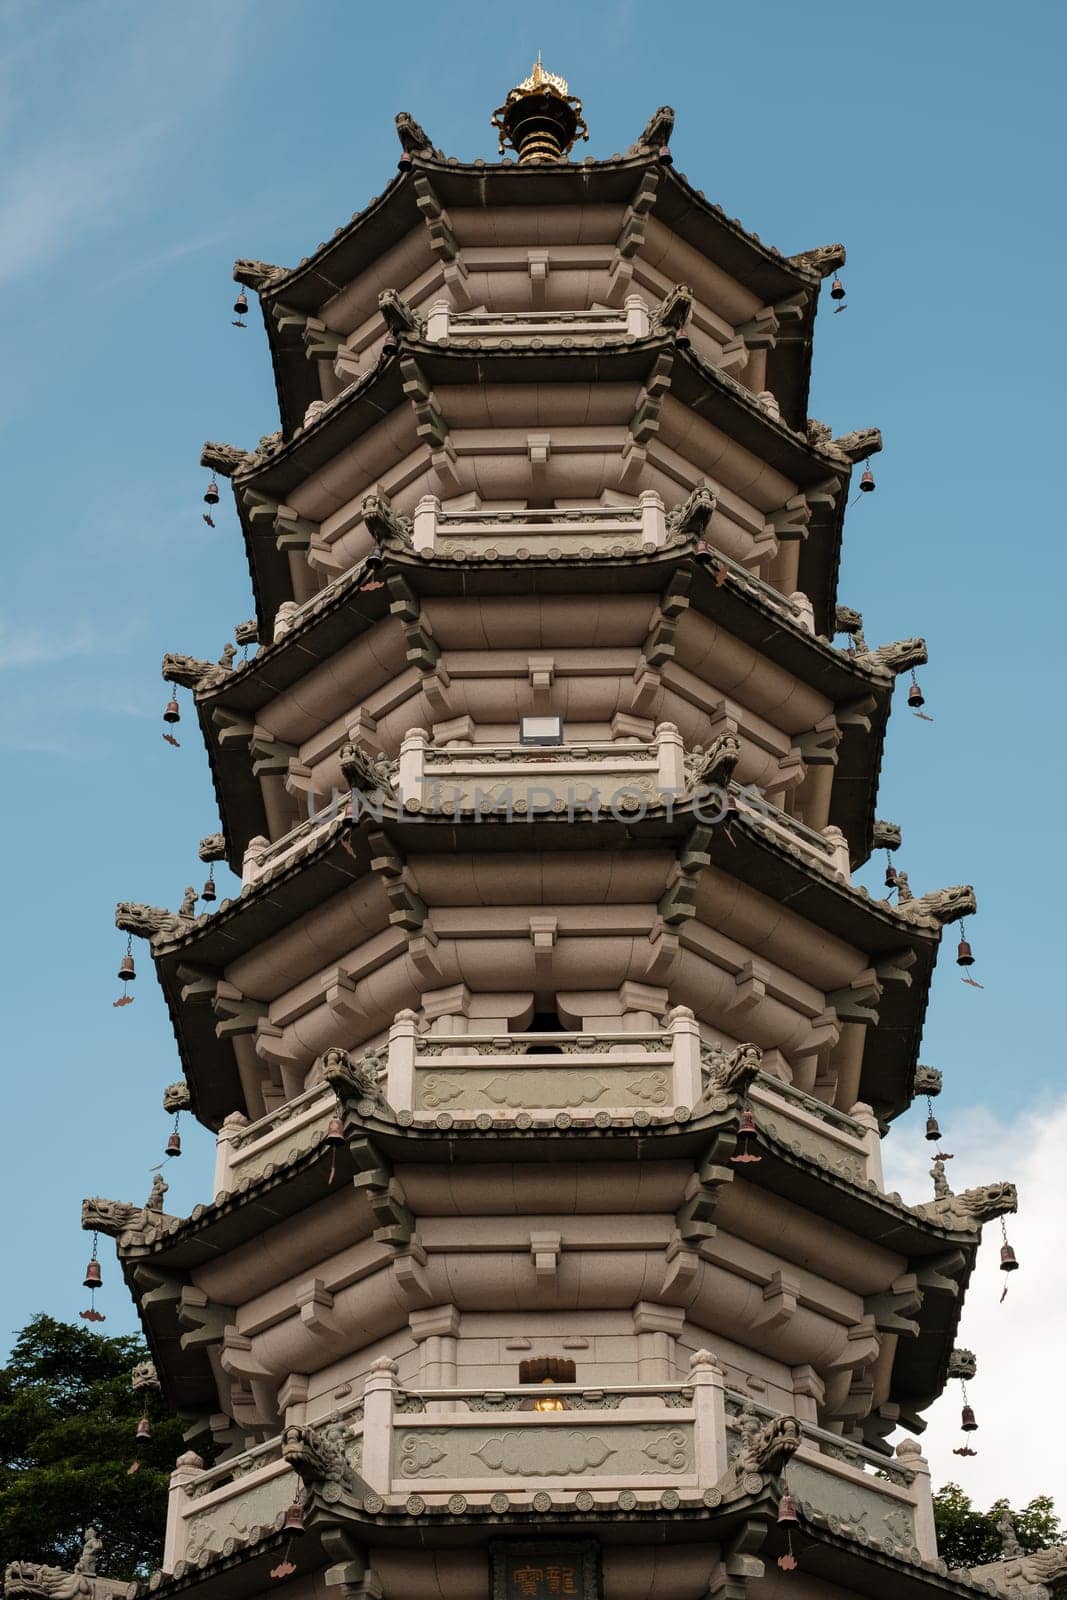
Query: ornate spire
[(539, 119)]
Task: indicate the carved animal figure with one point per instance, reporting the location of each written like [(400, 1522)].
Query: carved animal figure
[(224, 458), (144, 1376), (900, 656), (193, 673), (39, 1582), (213, 848), (150, 922), (674, 310), (385, 525), (346, 1076), (400, 318), (972, 1207), (962, 1364), (414, 139), (713, 766), (257, 275), (939, 905), (928, 1080), (824, 259), (690, 519), (851, 622), (319, 1455), (859, 444), (369, 774), (818, 433), (657, 131), (765, 1450), (731, 1071)]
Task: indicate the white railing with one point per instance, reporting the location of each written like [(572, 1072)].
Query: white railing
[(493, 1450), (493, 328), (551, 532)]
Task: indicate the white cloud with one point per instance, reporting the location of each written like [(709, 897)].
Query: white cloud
[(1019, 1343), (33, 645)]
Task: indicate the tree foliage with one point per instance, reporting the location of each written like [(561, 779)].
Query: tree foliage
[(68, 1419), (970, 1538)]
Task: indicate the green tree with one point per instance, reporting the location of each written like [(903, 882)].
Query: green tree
[(68, 1420), (969, 1538)]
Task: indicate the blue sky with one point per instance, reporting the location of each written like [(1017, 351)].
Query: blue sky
[(143, 148)]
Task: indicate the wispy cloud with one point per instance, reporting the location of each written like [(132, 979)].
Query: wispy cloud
[(70, 156), (32, 645)]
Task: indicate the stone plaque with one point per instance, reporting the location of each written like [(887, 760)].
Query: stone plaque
[(545, 1570)]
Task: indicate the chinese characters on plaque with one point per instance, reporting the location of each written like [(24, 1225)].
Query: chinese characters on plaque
[(545, 1571)]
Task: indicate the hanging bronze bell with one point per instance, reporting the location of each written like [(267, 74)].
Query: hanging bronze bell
[(746, 1132), (144, 1429), (1008, 1262), (837, 290), (890, 876), (932, 1130), (787, 1509), (866, 481), (294, 1518), (967, 1421), (93, 1276), (172, 711), (240, 305), (208, 891), (964, 954), (335, 1133), (127, 970), (211, 493), (916, 697), (174, 1145)]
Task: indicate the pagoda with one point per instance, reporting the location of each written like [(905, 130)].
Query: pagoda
[(549, 1044)]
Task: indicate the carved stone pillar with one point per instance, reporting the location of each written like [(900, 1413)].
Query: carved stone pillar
[(378, 1424), (186, 1469), (910, 1455), (436, 1331), (709, 1405), (657, 1327)]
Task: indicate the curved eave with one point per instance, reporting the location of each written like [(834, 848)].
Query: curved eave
[(865, 1570), (239, 925), (318, 278), (921, 1364), (710, 394), (741, 610)]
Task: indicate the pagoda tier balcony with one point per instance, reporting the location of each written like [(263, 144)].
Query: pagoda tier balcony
[(623, 777), (535, 1079), (446, 1452), (500, 330)]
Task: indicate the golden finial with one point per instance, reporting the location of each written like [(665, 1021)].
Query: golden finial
[(540, 119)]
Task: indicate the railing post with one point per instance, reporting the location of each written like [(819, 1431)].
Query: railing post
[(424, 524), (378, 1425), (186, 1468), (653, 518), (249, 865), (910, 1455), (685, 1050), (841, 860), (400, 1069), (637, 319), (709, 1408), (437, 321), (412, 756), (670, 774), (224, 1140), (862, 1113)]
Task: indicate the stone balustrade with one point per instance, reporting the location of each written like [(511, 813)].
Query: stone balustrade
[(584, 531), (879, 1500), (263, 857), (638, 1444), (624, 775), (468, 1074), (503, 330), (476, 1080)]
